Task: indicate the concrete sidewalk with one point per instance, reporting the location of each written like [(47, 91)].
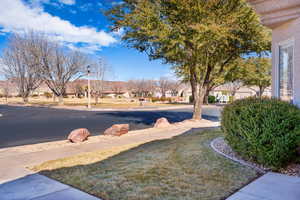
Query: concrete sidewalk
[(271, 186), (38, 187)]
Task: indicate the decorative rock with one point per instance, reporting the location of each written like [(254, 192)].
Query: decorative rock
[(79, 135), (117, 130), (162, 123)]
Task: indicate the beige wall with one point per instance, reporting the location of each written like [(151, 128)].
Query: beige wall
[(283, 17), (287, 33)]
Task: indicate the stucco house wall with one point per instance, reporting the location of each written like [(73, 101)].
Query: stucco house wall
[(287, 33), (283, 17)]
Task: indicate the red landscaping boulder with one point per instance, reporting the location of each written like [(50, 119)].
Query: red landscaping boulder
[(117, 130), (161, 123), (79, 135)]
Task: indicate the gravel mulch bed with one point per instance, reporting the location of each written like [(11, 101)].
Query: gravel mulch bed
[(221, 146)]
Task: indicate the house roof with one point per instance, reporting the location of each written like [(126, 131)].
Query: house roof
[(276, 12)]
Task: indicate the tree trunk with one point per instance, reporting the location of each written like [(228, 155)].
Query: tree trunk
[(205, 99), (261, 91), (25, 99), (96, 99), (197, 112), (61, 100), (198, 93)]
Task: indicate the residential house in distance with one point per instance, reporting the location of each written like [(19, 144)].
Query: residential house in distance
[(283, 17), (112, 89), (223, 93)]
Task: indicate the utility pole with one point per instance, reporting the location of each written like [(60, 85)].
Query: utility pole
[(89, 87)]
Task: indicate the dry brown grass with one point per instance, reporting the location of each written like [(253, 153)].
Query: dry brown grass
[(184, 167), (103, 103)]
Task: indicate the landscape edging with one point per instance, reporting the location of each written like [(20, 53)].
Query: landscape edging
[(242, 162)]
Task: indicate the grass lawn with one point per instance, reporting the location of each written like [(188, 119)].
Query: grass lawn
[(184, 167)]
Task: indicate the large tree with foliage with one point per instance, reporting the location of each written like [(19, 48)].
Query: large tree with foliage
[(257, 72), (199, 37)]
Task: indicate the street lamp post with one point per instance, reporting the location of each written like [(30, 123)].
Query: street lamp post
[(89, 87)]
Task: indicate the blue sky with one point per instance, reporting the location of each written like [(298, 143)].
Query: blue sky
[(79, 24)]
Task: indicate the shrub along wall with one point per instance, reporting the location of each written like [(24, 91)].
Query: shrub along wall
[(263, 130)]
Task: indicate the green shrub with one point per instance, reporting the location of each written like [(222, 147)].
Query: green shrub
[(263, 130), (212, 99)]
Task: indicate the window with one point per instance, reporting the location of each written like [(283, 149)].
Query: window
[(286, 62)]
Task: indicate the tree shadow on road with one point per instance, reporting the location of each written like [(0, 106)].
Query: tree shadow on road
[(149, 117)]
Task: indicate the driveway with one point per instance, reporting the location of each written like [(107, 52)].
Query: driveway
[(30, 125)]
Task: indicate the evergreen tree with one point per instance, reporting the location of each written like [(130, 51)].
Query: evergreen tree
[(201, 38)]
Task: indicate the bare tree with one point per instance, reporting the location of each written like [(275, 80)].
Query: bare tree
[(132, 87), (117, 87), (21, 62), (142, 87), (175, 87), (233, 87), (6, 90), (99, 70), (60, 66), (150, 87), (164, 85), (77, 89)]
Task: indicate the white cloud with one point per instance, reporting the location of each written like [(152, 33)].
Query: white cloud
[(52, 2), (89, 49), (15, 16), (68, 2)]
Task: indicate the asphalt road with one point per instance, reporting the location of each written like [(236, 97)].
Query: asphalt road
[(30, 125)]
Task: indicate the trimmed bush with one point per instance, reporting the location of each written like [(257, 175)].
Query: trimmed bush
[(263, 130), (212, 99)]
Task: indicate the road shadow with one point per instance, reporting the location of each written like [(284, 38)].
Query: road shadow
[(150, 117)]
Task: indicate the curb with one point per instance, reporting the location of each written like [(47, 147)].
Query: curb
[(242, 162)]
